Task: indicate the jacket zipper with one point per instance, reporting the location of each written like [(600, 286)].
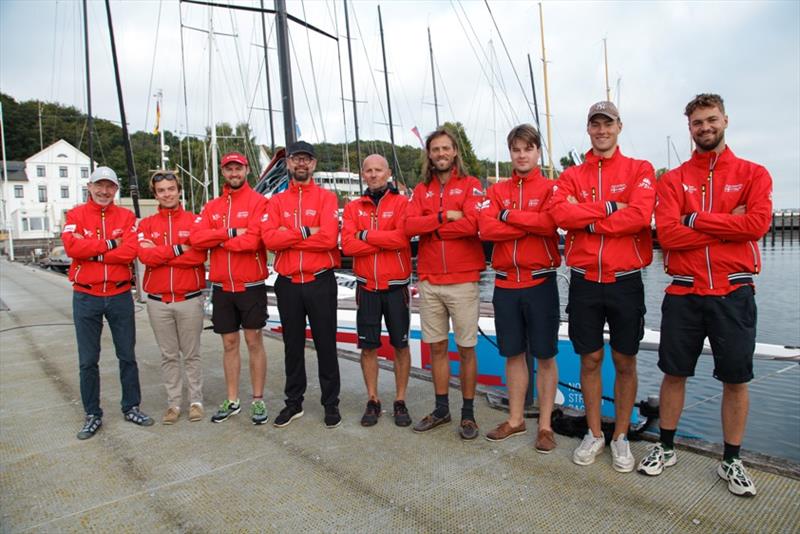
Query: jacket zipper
[(571, 244), (636, 249), (710, 180), (374, 226), (514, 251), (105, 265), (169, 226), (444, 216), (755, 256), (602, 237), (299, 221), (230, 271)]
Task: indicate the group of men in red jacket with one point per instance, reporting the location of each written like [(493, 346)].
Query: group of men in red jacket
[(709, 212)]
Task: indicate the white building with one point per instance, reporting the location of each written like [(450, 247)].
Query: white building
[(43, 188)]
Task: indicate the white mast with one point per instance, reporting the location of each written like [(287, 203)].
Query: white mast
[(214, 166), (6, 222), (494, 112)]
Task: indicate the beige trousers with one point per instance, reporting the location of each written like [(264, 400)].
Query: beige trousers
[(177, 327)]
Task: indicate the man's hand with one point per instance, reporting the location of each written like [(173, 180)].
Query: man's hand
[(241, 231), (146, 243), (77, 235), (621, 205), (282, 228), (739, 210), (572, 200), (454, 215), (313, 230)]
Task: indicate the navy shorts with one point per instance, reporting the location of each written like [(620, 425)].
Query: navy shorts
[(527, 319), (391, 305), (729, 322), (592, 304), (242, 309)]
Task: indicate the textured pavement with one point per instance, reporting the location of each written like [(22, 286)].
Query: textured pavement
[(237, 477)]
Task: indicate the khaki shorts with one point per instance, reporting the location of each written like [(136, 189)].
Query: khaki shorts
[(441, 303)]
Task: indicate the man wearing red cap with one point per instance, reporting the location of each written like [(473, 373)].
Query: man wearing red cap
[(230, 227), (606, 205)]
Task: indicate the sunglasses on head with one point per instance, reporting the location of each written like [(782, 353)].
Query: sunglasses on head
[(164, 176)]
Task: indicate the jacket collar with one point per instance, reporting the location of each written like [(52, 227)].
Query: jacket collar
[(453, 178), (170, 211), (533, 175), (592, 159), (295, 187), (227, 191), (95, 207), (711, 160)]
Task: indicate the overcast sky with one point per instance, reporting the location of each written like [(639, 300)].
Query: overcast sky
[(660, 54)]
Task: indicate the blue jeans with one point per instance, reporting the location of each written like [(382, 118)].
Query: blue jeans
[(88, 311)]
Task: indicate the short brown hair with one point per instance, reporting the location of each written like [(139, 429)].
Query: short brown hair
[(167, 174), (525, 133), (428, 167), (705, 100)]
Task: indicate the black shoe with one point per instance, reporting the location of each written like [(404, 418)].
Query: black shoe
[(287, 415), (373, 411), (90, 426), (138, 417), (332, 417), (401, 416)]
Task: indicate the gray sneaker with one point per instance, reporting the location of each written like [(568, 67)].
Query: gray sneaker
[(226, 409), (258, 412), (138, 417), (90, 426)]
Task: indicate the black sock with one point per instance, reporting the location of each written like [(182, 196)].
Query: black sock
[(667, 438), (731, 452), (467, 410), (442, 406)]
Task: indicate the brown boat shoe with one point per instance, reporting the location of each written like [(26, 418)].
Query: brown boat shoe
[(504, 430), (545, 441), (468, 429), (430, 421)]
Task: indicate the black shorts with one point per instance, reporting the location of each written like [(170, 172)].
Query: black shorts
[(728, 321), (527, 319), (592, 304), (392, 306), (242, 309)]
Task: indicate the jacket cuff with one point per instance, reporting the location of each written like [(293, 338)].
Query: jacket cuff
[(440, 217), (503, 215), (177, 249), (590, 228), (111, 244), (611, 207), (362, 235), (690, 219), (231, 233), (305, 231)]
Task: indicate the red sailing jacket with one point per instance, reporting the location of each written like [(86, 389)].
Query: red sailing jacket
[(376, 238), (524, 234), (236, 261), (100, 265), (713, 252), (449, 252), (290, 214), (604, 242), (171, 271)]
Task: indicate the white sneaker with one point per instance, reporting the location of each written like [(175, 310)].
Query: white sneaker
[(589, 448), (739, 482), (621, 453), (657, 459)]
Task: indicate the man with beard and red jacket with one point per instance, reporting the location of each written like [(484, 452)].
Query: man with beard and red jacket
[(606, 204), (373, 232), (100, 237), (302, 227), (526, 306), (443, 211), (711, 212), (174, 277), (230, 228)]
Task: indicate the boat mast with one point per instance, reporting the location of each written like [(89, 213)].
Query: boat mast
[(433, 78), (353, 93), (494, 110), (186, 114), (395, 164), (133, 181), (285, 67), (6, 221), (269, 89), (546, 99), (89, 118), (535, 106), (214, 166), (605, 61)]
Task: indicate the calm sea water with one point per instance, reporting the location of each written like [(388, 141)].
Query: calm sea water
[(774, 421)]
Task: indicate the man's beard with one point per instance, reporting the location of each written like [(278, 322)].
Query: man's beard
[(711, 145), (293, 176)]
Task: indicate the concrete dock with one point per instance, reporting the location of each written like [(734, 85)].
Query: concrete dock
[(237, 477)]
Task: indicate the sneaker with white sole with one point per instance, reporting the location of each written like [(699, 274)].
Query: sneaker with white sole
[(589, 448), (623, 460), (258, 412), (739, 482), (657, 459)]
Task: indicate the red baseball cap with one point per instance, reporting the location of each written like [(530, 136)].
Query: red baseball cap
[(233, 157)]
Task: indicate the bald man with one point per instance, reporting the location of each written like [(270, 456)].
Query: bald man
[(373, 232)]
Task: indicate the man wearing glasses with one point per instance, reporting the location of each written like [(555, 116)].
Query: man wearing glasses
[(174, 276), (302, 226), (230, 227), (100, 237)]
